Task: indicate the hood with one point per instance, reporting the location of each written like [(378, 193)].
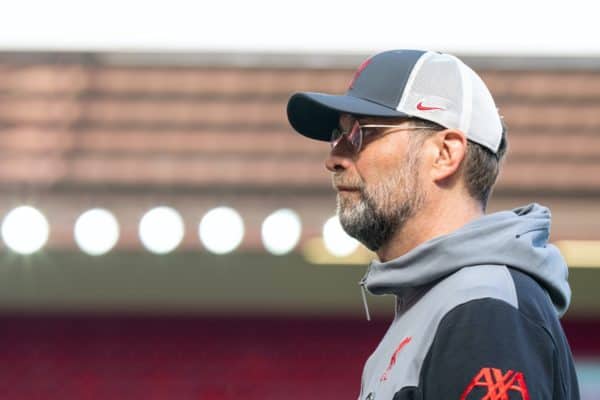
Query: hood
[(517, 238)]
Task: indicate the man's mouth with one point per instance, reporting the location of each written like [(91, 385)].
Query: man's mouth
[(345, 185), (347, 188)]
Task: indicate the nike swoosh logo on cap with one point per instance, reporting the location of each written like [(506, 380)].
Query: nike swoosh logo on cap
[(422, 107)]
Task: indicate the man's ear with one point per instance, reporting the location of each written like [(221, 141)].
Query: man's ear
[(448, 151)]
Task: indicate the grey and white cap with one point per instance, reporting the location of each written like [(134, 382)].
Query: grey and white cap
[(406, 83)]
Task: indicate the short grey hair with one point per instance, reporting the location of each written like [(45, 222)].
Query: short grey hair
[(480, 166)]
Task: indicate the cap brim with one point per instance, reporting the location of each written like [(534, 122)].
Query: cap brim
[(314, 115)]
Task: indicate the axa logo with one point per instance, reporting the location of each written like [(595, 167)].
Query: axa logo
[(496, 385), (403, 343)]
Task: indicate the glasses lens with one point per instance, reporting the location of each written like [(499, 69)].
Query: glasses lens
[(355, 136), (336, 136)]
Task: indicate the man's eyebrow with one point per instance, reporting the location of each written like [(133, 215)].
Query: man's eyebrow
[(366, 120)]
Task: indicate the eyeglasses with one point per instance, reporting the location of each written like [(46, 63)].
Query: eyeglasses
[(358, 132)]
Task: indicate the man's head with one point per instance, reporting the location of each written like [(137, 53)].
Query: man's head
[(413, 128)]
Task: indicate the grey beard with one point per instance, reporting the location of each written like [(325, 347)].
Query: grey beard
[(371, 225), (378, 215)]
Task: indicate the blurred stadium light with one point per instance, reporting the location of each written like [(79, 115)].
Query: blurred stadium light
[(281, 231), (161, 230), (25, 230), (221, 230), (96, 231)]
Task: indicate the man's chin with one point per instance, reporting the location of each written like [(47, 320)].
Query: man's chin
[(348, 199), (347, 211)]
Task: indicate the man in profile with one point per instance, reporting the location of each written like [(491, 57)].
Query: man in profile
[(416, 145)]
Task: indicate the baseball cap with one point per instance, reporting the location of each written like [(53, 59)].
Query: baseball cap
[(405, 83)]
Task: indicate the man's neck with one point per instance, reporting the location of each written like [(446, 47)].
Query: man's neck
[(428, 223)]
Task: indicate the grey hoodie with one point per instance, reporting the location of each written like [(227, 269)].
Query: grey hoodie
[(493, 275)]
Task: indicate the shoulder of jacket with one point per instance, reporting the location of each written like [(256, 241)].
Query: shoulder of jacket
[(473, 283)]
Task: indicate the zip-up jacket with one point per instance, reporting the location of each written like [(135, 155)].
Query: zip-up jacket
[(476, 316)]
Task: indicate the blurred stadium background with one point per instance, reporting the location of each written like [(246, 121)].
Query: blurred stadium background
[(130, 132), (164, 233)]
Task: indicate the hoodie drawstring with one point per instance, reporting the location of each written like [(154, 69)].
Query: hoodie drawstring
[(363, 290), (364, 297)]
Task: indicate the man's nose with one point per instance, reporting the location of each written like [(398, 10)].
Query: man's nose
[(340, 157)]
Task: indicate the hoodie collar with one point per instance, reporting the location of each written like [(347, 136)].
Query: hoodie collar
[(516, 238)]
